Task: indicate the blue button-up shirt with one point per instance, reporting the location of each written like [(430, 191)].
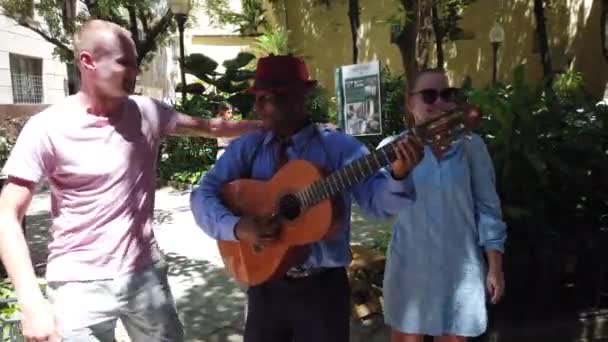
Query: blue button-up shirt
[(253, 155)]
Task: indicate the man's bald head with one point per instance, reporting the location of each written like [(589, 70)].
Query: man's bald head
[(107, 59), (96, 36)]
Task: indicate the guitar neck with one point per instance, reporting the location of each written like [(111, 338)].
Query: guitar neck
[(348, 176), (366, 166)]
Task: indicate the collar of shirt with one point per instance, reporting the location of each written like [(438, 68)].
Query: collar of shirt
[(299, 140)]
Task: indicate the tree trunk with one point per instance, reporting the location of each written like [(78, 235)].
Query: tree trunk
[(353, 16), (424, 35), (132, 10), (73, 78), (69, 17), (439, 37), (604, 28), (543, 41), (407, 41)]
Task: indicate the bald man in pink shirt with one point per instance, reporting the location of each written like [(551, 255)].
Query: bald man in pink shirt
[(98, 151)]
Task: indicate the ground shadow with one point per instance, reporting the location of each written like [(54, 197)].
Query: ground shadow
[(162, 216), (37, 227), (212, 310)]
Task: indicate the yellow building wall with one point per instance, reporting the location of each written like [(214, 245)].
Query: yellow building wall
[(574, 34), (322, 35)]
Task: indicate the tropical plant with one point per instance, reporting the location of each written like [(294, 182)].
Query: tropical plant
[(228, 84), (569, 85), (274, 41), (550, 159), (319, 105), (539, 138)]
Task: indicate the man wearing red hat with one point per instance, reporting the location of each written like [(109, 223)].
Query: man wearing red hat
[(310, 302)]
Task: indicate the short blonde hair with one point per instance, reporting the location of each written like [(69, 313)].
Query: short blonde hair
[(90, 35)]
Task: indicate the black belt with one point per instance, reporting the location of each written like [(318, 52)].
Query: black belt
[(299, 274)]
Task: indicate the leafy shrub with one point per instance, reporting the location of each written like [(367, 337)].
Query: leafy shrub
[(7, 291), (185, 159)]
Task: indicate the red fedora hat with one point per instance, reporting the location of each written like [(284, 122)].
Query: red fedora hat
[(281, 74)]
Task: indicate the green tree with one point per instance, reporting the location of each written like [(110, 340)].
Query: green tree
[(445, 18), (419, 22), (248, 21), (149, 23)]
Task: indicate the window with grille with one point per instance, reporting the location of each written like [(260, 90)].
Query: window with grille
[(26, 78)]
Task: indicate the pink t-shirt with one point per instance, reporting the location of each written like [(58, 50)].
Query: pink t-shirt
[(102, 175)]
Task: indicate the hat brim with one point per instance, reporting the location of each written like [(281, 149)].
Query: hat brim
[(302, 86)]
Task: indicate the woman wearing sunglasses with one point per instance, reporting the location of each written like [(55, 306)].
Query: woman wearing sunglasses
[(445, 255)]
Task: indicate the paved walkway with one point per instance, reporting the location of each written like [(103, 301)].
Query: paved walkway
[(210, 304)]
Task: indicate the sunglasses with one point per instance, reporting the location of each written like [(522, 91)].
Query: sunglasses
[(429, 96)]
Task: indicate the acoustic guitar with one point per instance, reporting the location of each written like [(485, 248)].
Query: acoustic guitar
[(301, 196)]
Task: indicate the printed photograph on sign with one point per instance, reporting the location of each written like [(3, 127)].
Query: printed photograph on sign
[(362, 101)]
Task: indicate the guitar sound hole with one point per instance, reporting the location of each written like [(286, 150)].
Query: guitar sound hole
[(289, 207)]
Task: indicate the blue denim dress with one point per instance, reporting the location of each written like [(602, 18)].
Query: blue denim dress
[(435, 275)]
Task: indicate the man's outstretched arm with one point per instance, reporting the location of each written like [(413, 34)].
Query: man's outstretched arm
[(211, 128)]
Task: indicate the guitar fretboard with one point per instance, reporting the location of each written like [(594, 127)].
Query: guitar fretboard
[(348, 176)]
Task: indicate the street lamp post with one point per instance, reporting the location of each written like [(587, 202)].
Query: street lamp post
[(180, 9), (497, 36)]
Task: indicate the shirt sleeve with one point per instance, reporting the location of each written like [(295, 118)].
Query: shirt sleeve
[(31, 158), (209, 213), (491, 228), (167, 118), (380, 196)]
